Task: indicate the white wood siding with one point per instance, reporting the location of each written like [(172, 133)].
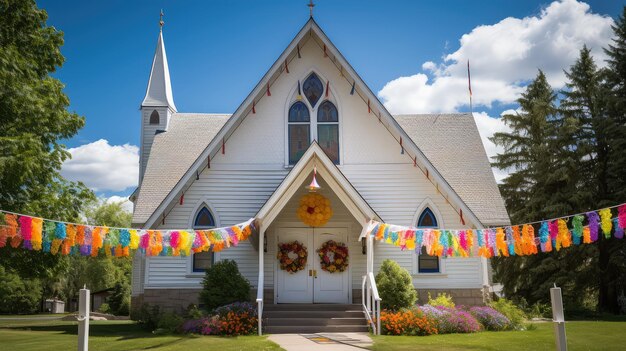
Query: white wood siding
[(240, 182)]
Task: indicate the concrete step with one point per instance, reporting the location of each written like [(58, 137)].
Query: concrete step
[(298, 329), (311, 307), (313, 314), (315, 321)]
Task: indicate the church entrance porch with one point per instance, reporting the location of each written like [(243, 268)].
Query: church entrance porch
[(312, 284)]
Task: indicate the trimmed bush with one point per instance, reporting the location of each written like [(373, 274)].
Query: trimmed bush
[(490, 318), (442, 299), (223, 284), (510, 311), (407, 322), (169, 322), (395, 286)]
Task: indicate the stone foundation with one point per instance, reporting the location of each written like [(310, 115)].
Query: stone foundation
[(177, 300), (466, 297)]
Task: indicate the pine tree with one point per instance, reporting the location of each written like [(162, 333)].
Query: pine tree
[(542, 162), (612, 255)]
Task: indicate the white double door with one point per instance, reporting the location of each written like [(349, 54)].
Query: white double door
[(312, 284)]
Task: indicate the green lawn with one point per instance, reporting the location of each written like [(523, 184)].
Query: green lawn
[(114, 335), (581, 335)]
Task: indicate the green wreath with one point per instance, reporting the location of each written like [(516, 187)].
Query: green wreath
[(292, 265), (338, 262)]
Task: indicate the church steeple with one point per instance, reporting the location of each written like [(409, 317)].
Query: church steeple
[(159, 92), (158, 106)]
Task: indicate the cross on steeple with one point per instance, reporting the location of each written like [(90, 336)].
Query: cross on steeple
[(161, 22), (311, 5)]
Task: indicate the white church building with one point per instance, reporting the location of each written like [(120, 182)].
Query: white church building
[(310, 111)]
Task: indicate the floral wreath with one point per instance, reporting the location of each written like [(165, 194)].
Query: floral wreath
[(292, 265), (338, 262), (314, 210)]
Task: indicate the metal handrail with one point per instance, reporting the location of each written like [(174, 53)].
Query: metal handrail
[(371, 301), (259, 301)]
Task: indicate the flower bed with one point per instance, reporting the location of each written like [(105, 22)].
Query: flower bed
[(490, 318), (408, 322), (427, 320), (239, 318)]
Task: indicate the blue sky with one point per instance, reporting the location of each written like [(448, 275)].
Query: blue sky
[(219, 49)]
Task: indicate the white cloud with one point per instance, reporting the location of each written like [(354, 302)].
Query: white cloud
[(126, 204), (103, 167), (504, 57), (487, 126)]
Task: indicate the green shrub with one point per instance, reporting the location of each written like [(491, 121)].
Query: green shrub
[(193, 312), (223, 284), (395, 286), (104, 308), (18, 295), (442, 299), (120, 300), (148, 317), (169, 322), (512, 312)]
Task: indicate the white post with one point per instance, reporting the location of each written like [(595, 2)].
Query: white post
[(83, 319), (558, 317)]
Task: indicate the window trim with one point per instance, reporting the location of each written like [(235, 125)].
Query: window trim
[(192, 219), (428, 203), (292, 98)]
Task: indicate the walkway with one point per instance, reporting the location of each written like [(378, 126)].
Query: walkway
[(323, 341)]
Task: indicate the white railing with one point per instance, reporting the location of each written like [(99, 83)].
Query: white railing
[(261, 281), (259, 301), (371, 302)]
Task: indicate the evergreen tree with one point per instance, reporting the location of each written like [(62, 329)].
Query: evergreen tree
[(541, 161), (612, 255)]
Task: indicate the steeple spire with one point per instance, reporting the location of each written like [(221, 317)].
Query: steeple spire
[(159, 92)]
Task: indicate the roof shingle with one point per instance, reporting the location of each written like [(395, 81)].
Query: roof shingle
[(452, 144), (171, 155)]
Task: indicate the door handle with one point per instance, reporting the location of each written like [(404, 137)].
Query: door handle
[(315, 273), (310, 272)]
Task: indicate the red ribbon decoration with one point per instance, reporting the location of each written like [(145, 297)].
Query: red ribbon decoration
[(268, 90), (223, 147), (327, 88), (182, 199), (253, 106), (286, 67)]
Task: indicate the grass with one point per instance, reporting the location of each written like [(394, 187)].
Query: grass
[(581, 335), (115, 335)]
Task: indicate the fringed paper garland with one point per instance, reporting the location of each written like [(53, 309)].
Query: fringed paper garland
[(606, 222), (517, 240)]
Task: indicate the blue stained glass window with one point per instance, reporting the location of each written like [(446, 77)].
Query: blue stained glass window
[(298, 112), (427, 263), (313, 89), (203, 260)]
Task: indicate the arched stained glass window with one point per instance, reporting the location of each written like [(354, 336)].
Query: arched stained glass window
[(427, 219), (154, 117), (313, 89), (328, 130), (427, 263), (299, 112), (203, 260), (204, 219), (299, 131)]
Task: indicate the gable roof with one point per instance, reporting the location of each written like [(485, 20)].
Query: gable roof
[(171, 155), (313, 158), (452, 144), (362, 90)]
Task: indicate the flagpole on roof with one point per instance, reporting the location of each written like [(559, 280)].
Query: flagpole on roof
[(469, 85)]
